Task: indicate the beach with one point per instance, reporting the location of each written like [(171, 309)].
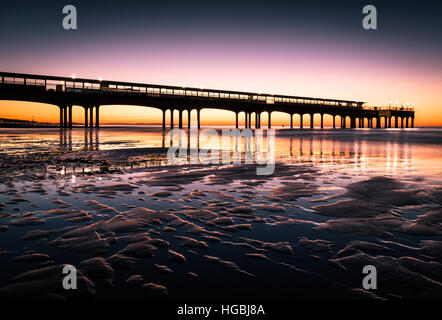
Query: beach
[(109, 203)]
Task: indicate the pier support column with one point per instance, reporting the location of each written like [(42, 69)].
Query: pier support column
[(171, 118), (61, 117), (300, 121), (378, 122), (198, 118), (85, 117), (402, 122), (406, 122), (412, 122), (180, 119), (65, 117), (259, 119), (270, 121), (188, 118), (97, 116), (91, 116), (322, 121), (311, 120), (236, 120), (396, 122), (70, 116), (334, 122), (291, 121), (343, 122), (250, 120), (164, 119), (256, 120), (352, 122)]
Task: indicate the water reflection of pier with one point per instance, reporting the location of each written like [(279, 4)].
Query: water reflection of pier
[(109, 167), (91, 140), (356, 152), (361, 154)]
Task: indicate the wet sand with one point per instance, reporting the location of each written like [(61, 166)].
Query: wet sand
[(137, 227)]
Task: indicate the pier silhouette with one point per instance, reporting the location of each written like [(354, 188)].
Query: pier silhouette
[(93, 94)]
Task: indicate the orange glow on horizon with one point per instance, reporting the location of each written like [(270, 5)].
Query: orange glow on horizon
[(425, 116)]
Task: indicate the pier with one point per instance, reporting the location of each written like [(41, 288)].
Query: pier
[(94, 94)]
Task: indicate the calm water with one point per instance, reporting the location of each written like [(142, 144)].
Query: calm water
[(393, 151), (305, 247)]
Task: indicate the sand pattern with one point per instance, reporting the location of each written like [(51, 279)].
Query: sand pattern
[(154, 232)]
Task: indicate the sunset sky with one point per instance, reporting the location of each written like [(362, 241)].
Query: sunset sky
[(303, 48)]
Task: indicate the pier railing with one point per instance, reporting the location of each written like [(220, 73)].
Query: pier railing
[(65, 84), (386, 108)]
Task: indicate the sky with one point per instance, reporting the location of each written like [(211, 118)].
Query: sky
[(303, 48)]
